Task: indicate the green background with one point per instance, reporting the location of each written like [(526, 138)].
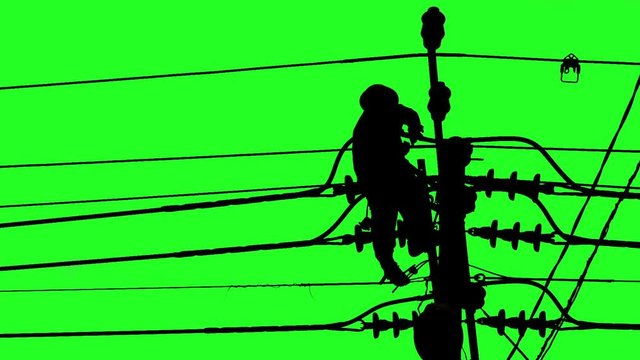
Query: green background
[(308, 108)]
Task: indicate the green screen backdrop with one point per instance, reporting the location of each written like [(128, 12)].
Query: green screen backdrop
[(294, 109)]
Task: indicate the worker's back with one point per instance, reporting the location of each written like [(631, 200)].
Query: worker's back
[(378, 151)]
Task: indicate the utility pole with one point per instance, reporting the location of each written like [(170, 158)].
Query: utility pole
[(452, 289)]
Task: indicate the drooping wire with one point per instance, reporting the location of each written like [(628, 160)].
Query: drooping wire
[(321, 239), (548, 343), (336, 326), (307, 64), (582, 325), (579, 216), (536, 146), (213, 287), (544, 350), (596, 192), (579, 240), (570, 183), (302, 285), (544, 289), (607, 155), (314, 192), (279, 188)]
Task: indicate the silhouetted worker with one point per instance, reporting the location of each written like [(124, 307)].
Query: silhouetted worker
[(388, 181)]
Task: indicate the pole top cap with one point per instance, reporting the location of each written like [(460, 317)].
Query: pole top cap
[(432, 28)]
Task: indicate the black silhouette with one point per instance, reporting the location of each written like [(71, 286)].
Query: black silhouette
[(388, 181)]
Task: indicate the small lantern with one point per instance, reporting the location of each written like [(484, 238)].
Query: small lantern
[(570, 69)]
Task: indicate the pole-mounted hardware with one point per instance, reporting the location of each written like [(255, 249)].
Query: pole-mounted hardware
[(437, 332), (439, 104), (521, 323), (432, 28), (396, 324), (570, 69), (512, 186), (362, 235), (349, 188), (514, 235), (440, 334)]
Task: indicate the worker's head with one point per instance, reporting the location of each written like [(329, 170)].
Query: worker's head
[(378, 97)]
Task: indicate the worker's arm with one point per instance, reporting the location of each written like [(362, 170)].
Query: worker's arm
[(410, 118)]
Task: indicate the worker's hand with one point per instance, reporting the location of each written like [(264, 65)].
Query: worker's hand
[(415, 133), (411, 119), (408, 115), (406, 147)]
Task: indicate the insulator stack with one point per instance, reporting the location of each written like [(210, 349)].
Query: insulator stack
[(439, 105), (362, 235), (512, 186), (514, 235), (396, 324), (350, 189), (521, 323)]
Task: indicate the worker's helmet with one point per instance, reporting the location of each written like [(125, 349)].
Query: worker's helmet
[(378, 97)]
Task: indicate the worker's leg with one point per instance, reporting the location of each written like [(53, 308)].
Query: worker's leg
[(414, 206), (383, 218)]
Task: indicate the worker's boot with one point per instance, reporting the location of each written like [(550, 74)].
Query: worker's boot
[(395, 275)]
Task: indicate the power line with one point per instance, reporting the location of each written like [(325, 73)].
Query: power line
[(336, 326), (552, 336), (307, 64), (535, 59), (558, 148), (581, 212), (537, 147), (163, 196), (294, 285), (171, 158), (534, 146), (211, 72), (204, 287), (582, 325), (592, 325), (283, 153), (540, 279), (265, 189), (550, 339), (570, 183), (321, 239), (314, 192), (274, 197), (597, 192), (170, 255), (579, 240)]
